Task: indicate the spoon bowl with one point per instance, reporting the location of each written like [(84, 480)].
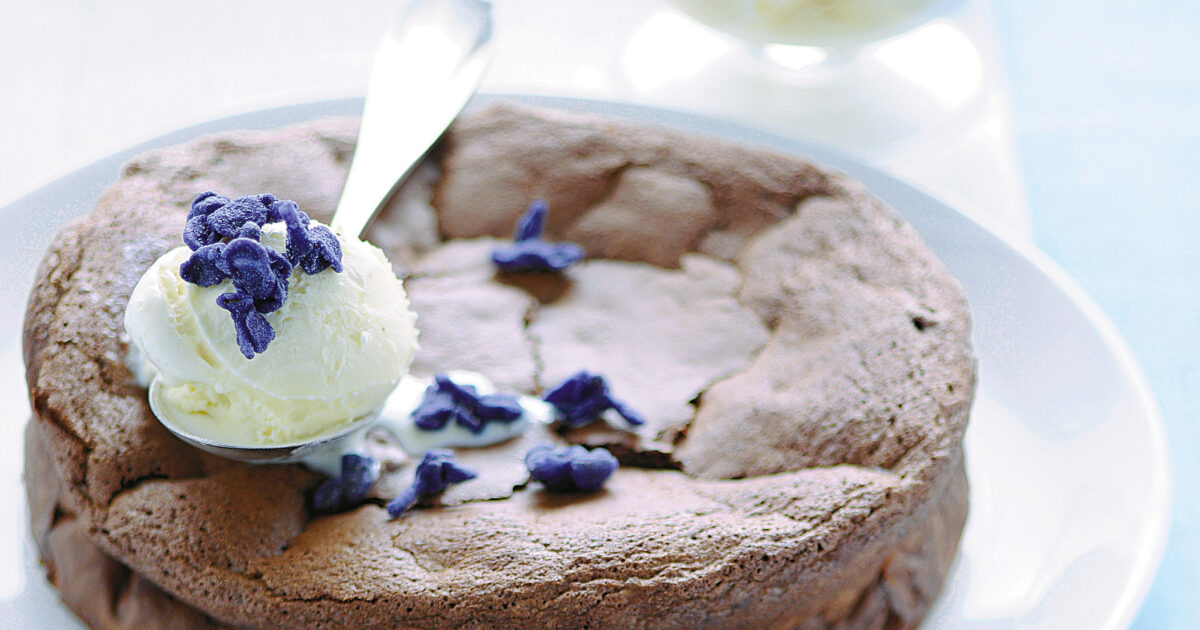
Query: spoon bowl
[(260, 453)]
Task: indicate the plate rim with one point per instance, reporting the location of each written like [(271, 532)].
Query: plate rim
[(82, 182), (1153, 546)]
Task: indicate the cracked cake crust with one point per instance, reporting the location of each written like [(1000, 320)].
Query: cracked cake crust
[(846, 380)]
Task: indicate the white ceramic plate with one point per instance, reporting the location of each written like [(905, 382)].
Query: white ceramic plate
[(1070, 487)]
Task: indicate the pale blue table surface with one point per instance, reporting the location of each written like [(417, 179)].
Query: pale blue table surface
[(1106, 96)]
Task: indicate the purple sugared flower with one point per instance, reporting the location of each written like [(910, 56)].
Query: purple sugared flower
[(225, 237), (250, 266), (258, 271), (197, 233), (436, 471), (296, 223), (570, 468), (584, 397), (250, 230), (529, 252), (254, 332), (314, 248), (228, 219), (348, 489), (324, 252), (206, 266), (205, 203), (447, 401)]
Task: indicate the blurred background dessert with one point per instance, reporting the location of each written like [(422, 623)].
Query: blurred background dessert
[(828, 23)]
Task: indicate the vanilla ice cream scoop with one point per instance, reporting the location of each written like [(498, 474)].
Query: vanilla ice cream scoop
[(342, 341)]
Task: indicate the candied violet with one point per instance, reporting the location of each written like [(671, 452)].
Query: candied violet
[(206, 266), (250, 230), (259, 272), (254, 333), (312, 248), (359, 473), (225, 237), (197, 233), (436, 471), (532, 223), (205, 203), (537, 256), (569, 468), (296, 223), (447, 401), (583, 397), (325, 251), (230, 217), (250, 266), (529, 252)]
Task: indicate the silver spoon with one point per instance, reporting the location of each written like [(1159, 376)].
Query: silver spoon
[(424, 73), (268, 454), (427, 67)]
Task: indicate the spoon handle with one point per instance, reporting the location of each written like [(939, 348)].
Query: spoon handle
[(426, 69)]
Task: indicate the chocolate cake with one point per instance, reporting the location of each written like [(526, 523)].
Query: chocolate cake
[(801, 357)]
